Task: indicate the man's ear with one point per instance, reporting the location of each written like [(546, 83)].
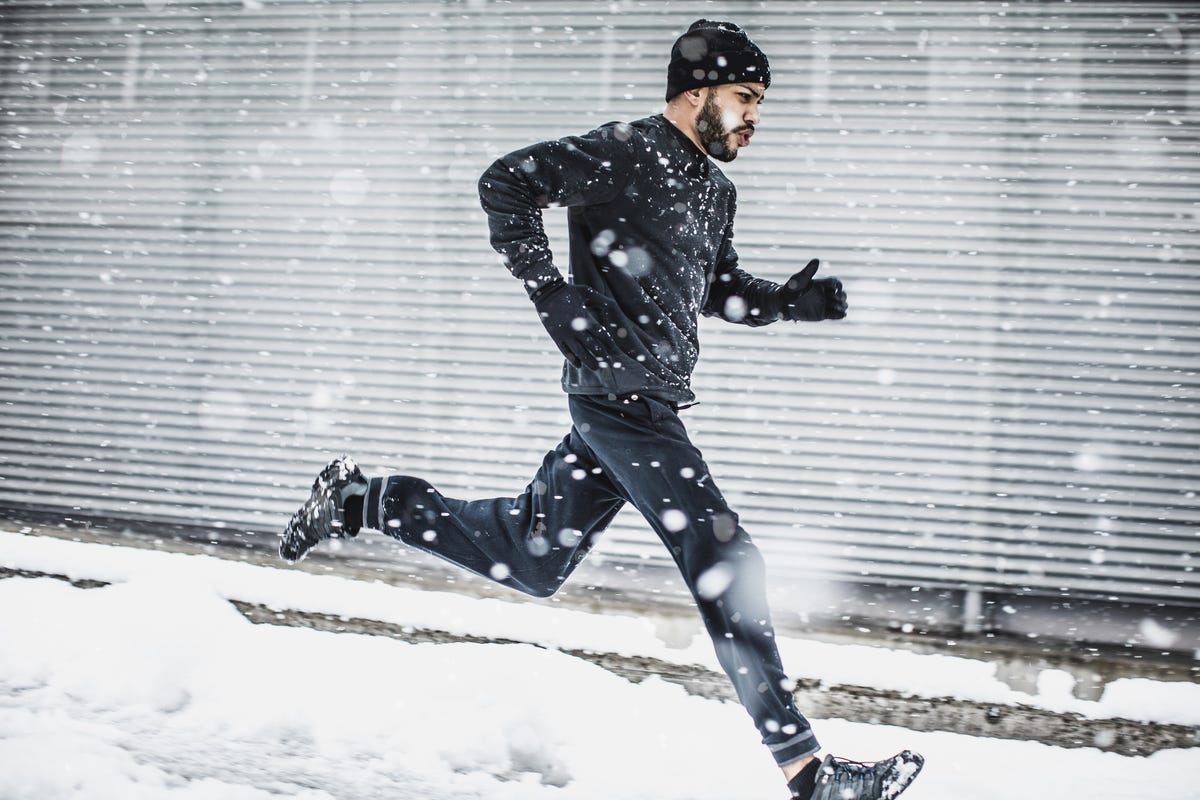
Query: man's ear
[(695, 97)]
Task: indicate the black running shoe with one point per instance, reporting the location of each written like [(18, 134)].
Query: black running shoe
[(841, 779), (321, 517)]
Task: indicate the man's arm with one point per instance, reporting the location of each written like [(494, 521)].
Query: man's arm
[(578, 170), (737, 296)]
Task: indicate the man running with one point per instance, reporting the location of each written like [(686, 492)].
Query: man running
[(650, 219)]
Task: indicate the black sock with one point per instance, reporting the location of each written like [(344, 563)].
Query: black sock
[(805, 782), (352, 512)]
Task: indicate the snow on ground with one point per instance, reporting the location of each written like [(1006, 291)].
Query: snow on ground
[(156, 687)]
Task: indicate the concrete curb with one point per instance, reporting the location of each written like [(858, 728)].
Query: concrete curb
[(853, 703)]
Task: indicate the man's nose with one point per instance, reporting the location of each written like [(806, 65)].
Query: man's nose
[(752, 116)]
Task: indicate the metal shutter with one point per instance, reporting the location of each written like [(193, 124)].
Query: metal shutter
[(240, 236)]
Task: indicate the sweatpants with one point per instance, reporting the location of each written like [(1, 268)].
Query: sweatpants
[(634, 450)]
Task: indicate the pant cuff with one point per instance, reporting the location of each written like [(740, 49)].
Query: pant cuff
[(800, 746)]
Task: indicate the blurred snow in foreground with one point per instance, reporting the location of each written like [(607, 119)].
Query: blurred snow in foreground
[(156, 687)]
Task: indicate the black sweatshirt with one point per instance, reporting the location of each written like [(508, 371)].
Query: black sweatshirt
[(650, 219)]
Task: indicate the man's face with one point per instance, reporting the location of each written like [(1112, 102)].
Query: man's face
[(728, 118)]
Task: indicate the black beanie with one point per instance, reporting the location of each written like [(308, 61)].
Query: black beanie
[(712, 53)]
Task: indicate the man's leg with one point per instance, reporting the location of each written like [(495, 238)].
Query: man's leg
[(531, 542), (645, 450)]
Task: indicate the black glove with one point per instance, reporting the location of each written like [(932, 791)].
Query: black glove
[(805, 299), (582, 340)]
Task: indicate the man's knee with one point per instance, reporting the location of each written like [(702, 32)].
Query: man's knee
[(736, 567)]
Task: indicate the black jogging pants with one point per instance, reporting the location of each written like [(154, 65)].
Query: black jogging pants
[(619, 451)]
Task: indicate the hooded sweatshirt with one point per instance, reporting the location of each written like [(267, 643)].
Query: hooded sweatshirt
[(650, 221)]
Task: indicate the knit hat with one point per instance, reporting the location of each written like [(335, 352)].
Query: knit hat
[(712, 53)]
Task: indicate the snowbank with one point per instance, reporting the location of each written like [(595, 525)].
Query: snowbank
[(156, 687), (928, 675)]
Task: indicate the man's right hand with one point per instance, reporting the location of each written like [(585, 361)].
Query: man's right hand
[(582, 340), (807, 299)]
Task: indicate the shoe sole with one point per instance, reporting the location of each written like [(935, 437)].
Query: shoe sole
[(906, 772)]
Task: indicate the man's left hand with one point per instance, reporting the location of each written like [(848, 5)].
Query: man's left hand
[(808, 300)]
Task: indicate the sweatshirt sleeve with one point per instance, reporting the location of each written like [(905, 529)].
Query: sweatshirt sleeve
[(577, 170), (736, 295)]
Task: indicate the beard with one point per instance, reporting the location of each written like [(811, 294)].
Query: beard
[(712, 132)]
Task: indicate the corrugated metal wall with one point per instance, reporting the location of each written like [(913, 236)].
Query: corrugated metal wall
[(239, 236)]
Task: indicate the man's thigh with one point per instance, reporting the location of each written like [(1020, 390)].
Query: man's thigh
[(646, 451)]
